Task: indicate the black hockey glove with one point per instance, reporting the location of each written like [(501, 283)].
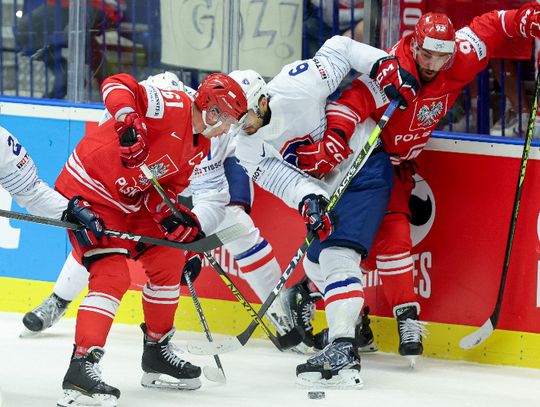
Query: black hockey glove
[(79, 211), (317, 219), (398, 83), (192, 267)]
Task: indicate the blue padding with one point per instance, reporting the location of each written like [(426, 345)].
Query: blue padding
[(239, 183)]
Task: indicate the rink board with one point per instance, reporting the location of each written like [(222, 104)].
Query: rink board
[(465, 192)]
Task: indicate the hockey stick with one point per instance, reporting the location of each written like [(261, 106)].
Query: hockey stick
[(235, 342), (287, 341), (205, 244), (215, 375), (481, 334)]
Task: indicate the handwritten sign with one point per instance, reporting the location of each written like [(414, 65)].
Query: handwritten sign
[(194, 34)]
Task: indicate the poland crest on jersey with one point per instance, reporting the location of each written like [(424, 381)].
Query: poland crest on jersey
[(428, 112)]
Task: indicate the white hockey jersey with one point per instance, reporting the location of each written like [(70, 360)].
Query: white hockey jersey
[(208, 184), (297, 100), (18, 176)]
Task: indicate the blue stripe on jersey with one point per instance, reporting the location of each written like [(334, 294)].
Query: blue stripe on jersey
[(23, 180), (253, 250), (338, 284)]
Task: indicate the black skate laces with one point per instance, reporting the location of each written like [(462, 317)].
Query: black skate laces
[(412, 330)]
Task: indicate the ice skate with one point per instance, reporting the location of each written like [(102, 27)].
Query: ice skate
[(299, 304), (83, 385), (337, 366), (410, 330), (44, 315), (162, 367), (364, 339)]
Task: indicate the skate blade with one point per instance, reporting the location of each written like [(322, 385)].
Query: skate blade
[(214, 374), (74, 398), (412, 360), (302, 349), (163, 381), (27, 333), (346, 379), (369, 348)]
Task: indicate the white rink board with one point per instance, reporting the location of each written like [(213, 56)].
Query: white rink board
[(32, 370)]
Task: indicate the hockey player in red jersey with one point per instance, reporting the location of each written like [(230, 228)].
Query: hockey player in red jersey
[(169, 132), (444, 61)]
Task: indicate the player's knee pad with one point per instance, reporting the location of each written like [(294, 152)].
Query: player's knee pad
[(236, 214), (339, 263), (91, 256), (314, 273)]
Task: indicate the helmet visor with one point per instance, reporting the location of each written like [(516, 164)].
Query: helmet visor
[(214, 118), (432, 60)]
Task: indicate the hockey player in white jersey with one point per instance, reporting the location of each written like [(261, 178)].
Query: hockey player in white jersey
[(291, 115), (19, 177), (221, 193)]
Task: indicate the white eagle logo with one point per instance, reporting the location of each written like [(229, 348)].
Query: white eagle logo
[(158, 170), (429, 115)]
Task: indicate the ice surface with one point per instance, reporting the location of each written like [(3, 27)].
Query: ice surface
[(31, 372)]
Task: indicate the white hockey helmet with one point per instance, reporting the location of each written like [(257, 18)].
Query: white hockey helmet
[(166, 81), (253, 85)]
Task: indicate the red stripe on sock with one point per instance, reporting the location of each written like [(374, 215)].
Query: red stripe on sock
[(258, 263), (344, 296)]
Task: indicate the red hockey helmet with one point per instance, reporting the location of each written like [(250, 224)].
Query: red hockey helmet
[(435, 35), (221, 100)]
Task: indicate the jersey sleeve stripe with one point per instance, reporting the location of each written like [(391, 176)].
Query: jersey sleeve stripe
[(77, 170)]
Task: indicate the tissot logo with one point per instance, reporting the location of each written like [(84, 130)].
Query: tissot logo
[(422, 207)]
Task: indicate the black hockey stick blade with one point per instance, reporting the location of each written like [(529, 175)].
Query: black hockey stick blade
[(205, 244)]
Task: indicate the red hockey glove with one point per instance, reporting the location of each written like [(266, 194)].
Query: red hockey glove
[(192, 267), (397, 83), (184, 229), (528, 20), (321, 157), (79, 211), (317, 219), (133, 141)]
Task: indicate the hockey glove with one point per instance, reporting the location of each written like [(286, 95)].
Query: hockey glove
[(528, 20), (317, 219), (133, 141), (184, 229), (79, 211), (192, 267), (397, 83), (319, 158)]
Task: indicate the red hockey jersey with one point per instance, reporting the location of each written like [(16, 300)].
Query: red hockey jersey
[(94, 169), (408, 131)]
